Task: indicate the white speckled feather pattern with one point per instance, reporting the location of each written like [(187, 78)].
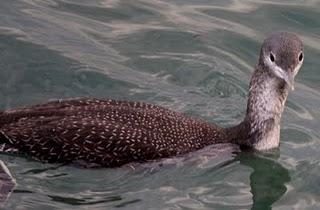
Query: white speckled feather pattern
[(104, 132)]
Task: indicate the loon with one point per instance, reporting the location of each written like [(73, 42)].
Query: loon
[(111, 133)]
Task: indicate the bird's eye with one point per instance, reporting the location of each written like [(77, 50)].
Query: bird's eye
[(272, 57), (300, 57)]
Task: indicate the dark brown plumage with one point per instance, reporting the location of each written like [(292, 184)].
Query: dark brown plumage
[(105, 132), (111, 133)]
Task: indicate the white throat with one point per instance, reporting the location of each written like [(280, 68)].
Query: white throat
[(264, 112)]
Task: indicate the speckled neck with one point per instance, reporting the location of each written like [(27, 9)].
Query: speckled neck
[(261, 127)]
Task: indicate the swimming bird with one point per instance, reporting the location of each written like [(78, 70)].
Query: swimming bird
[(111, 133)]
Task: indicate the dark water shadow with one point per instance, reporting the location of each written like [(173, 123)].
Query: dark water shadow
[(93, 201), (83, 201), (267, 181)]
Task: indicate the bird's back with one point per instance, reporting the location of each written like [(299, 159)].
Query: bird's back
[(104, 132)]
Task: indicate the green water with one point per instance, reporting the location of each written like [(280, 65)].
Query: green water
[(188, 55)]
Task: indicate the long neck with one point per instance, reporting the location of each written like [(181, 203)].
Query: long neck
[(261, 127)]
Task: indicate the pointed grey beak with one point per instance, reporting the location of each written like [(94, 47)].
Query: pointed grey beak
[(287, 76), (289, 79)]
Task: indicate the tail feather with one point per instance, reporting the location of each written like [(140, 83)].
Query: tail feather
[(6, 144)]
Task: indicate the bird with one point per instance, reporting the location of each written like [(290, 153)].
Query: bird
[(111, 133)]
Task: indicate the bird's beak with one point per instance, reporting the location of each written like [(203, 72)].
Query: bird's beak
[(287, 76)]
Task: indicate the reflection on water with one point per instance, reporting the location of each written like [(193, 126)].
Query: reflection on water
[(7, 184), (191, 56), (267, 181)]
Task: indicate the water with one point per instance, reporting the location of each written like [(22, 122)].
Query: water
[(191, 56)]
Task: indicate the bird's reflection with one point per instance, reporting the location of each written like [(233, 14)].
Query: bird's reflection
[(267, 181), (7, 183)]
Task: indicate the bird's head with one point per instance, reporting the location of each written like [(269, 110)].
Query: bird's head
[(282, 55)]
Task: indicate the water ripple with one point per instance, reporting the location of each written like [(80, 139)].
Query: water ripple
[(191, 56)]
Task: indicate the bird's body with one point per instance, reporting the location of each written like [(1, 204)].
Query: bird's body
[(111, 133), (105, 132)]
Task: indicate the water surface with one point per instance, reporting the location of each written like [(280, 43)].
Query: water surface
[(191, 56)]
